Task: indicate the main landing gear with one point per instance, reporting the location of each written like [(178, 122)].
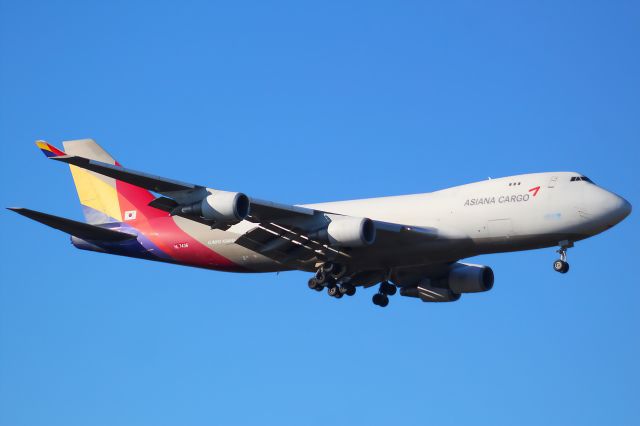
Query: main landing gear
[(381, 298), (561, 265), (339, 290), (330, 276), (314, 284)]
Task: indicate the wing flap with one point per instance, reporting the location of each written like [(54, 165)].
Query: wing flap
[(274, 246), (288, 246)]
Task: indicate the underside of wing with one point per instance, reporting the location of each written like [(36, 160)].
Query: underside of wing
[(290, 247)]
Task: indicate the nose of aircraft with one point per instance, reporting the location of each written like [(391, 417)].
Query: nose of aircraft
[(608, 207), (625, 208), (619, 207)]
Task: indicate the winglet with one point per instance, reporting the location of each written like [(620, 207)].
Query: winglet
[(49, 150)]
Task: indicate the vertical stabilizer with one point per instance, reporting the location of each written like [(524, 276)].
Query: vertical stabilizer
[(104, 199), (98, 194)]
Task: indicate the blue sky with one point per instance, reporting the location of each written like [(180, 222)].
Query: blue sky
[(307, 102)]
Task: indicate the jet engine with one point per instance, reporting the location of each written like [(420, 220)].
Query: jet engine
[(348, 232), (461, 278), (221, 207), (468, 278)]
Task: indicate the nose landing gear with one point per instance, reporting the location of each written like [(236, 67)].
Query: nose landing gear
[(561, 265)]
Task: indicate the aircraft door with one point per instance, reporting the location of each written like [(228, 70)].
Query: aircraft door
[(549, 193)]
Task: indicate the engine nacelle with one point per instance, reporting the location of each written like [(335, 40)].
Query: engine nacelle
[(462, 278), (349, 232), (221, 207), (427, 293), (468, 278)]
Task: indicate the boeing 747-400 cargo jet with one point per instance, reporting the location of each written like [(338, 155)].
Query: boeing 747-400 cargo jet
[(411, 242)]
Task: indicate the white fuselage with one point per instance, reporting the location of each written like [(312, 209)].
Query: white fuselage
[(496, 215), (531, 205)]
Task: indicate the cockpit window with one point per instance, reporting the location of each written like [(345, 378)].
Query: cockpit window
[(581, 178)]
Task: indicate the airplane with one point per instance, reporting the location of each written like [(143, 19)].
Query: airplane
[(411, 243)]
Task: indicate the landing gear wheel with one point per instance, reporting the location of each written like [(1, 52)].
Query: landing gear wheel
[(347, 289), (333, 291), (380, 299), (388, 288), (313, 284), (561, 266), (321, 276), (338, 295)]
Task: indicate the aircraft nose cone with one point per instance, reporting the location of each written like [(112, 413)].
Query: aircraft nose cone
[(617, 207), (624, 209), (604, 208)]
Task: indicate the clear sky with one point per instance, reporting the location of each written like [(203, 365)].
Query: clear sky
[(306, 102)]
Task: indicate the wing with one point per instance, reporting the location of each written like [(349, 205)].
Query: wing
[(295, 236), (72, 227), (177, 193)]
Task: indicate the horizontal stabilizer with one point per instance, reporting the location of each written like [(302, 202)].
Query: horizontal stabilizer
[(79, 229)]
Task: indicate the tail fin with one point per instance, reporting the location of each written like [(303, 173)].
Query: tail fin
[(103, 199)]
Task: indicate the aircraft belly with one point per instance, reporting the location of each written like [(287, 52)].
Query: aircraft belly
[(524, 242), (195, 244), (432, 252), (250, 260)]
